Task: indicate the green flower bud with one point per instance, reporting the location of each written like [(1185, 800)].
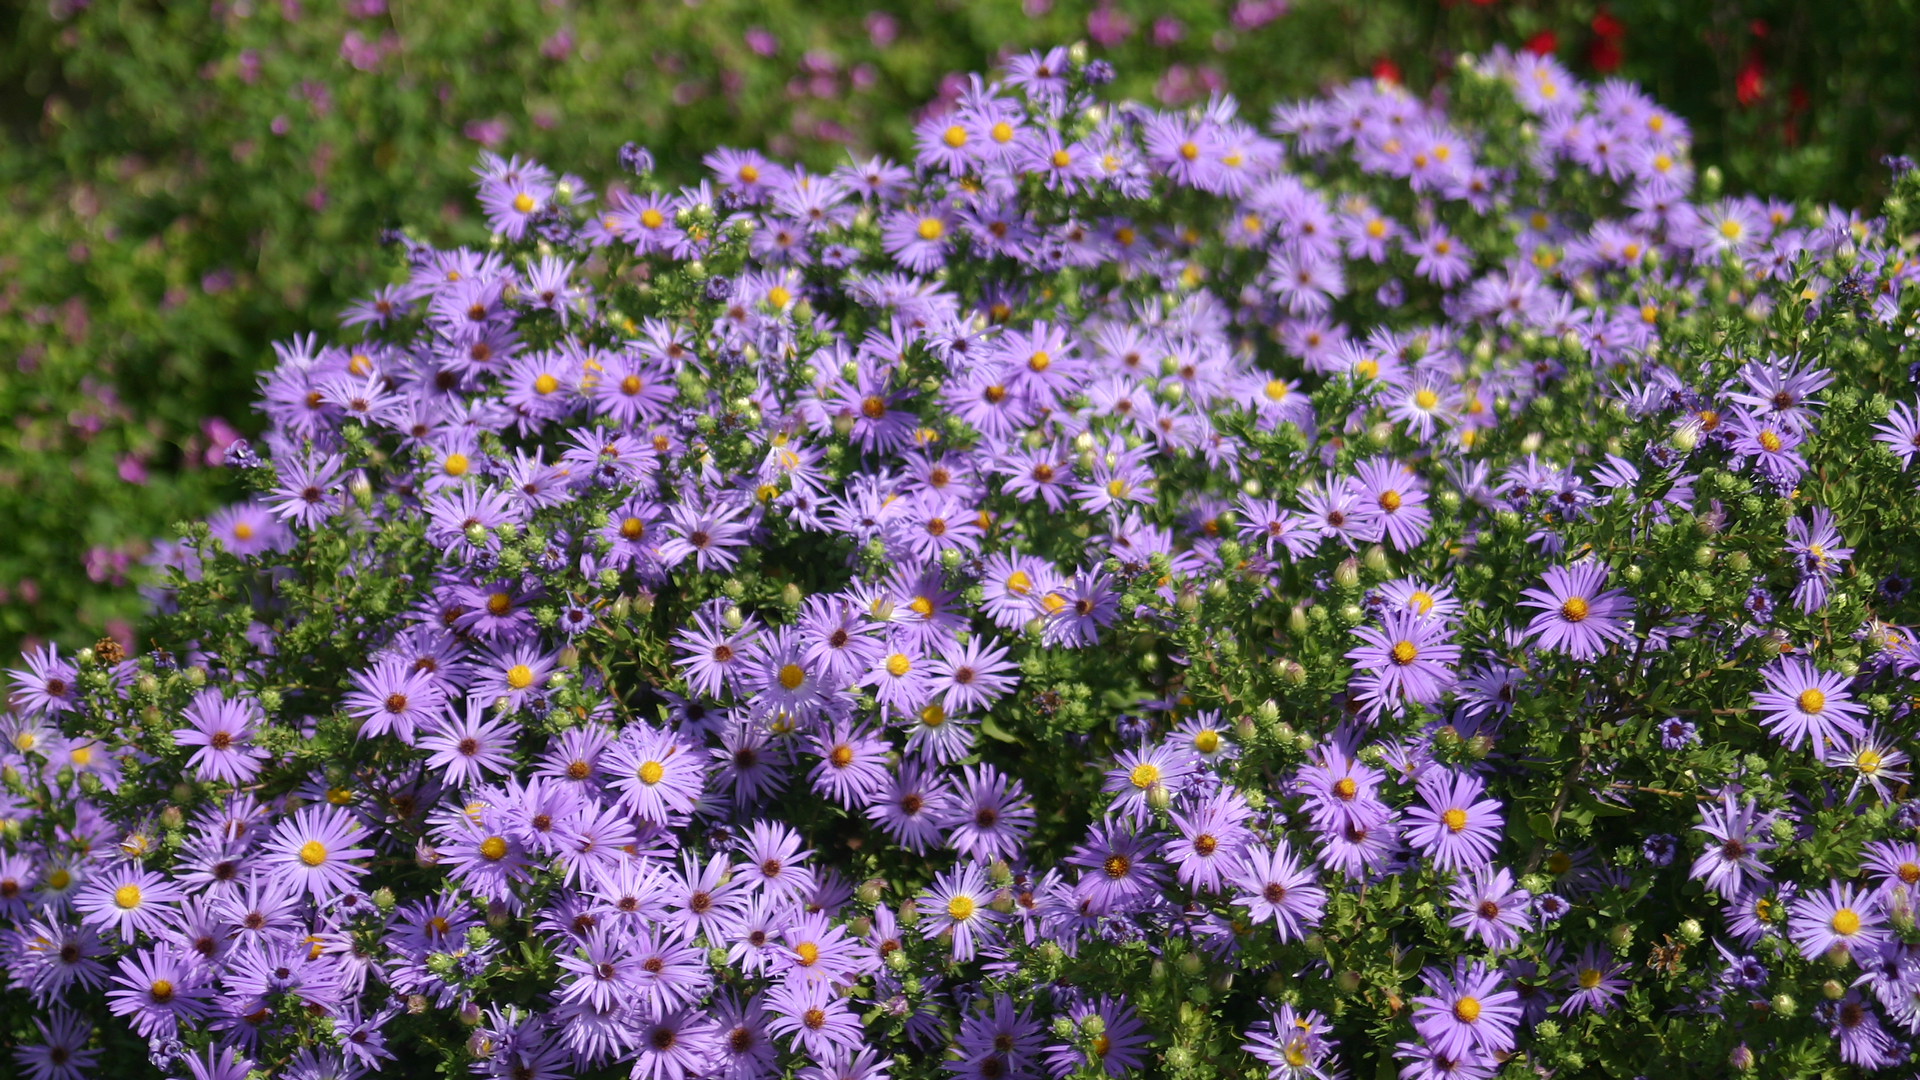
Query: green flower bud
[(1784, 1005), (870, 891), (1189, 964), (1347, 574), (1376, 561), (383, 899), (1179, 1057), (1620, 936), (1346, 982), (1093, 1026), (1297, 621), (1691, 931), (1833, 989), (182, 793), (1547, 1029)]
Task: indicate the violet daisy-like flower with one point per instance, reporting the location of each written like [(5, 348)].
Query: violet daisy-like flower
[(1814, 545), (48, 686), (1390, 503), (396, 696), (1578, 614), (1843, 918), (813, 1017), (1594, 981), (658, 772), (1738, 833), (990, 815), (466, 750), (156, 989), (673, 1045), (972, 676), (1118, 1046), (1117, 870), (1136, 772), (313, 851), (773, 862), (1413, 657), (1454, 827), (61, 1053), (1801, 703), (223, 731), (852, 769), (1211, 836), (1491, 909), (956, 904), (1466, 1011), (705, 535), (128, 900), (1275, 886), (1293, 1045)]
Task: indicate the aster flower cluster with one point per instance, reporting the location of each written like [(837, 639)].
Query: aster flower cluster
[(1128, 591)]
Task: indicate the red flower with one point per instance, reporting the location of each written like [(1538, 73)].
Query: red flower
[(1542, 43), (1386, 70), (1750, 83), (1608, 27), (1604, 55)]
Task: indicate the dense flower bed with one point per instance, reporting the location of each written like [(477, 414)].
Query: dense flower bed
[(1382, 588)]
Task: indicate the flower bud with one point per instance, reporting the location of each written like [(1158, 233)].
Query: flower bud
[(1839, 957), (470, 1013), (1289, 672), (1346, 982), (1691, 931), (182, 793), (1620, 936), (1347, 574), (908, 913), (1220, 981), (1703, 556), (1784, 1005), (1376, 560), (383, 899), (1297, 621), (476, 534), (1186, 602), (1381, 433), (1833, 989), (733, 618), (1179, 1057), (1189, 964), (479, 1045), (790, 595), (1684, 439), (1315, 944), (1351, 615), (1547, 1029), (1244, 729), (171, 818), (425, 855), (870, 891), (418, 1003), (1092, 1025), (1741, 1058), (1063, 1028)]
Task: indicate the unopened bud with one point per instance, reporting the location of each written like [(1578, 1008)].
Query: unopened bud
[(1189, 964), (1620, 936), (171, 818), (1347, 574), (1297, 621), (470, 1013), (1346, 982), (1741, 1058), (1376, 560), (1691, 931), (1833, 989), (870, 890), (1784, 1005), (732, 618)]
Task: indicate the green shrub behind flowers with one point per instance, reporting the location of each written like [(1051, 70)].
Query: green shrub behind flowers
[(1376, 588)]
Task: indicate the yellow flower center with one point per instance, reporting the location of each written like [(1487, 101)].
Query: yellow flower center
[(931, 228), (242, 531), (493, 848), (1389, 500), (809, 953), (1867, 761), (1455, 819), (651, 218), (1376, 228), (1345, 788), (313, 853), (1812, 700), (955, 136), (933, 716), (81, 756), (1001, 132), (921, 606), (1188, 151), (1206, 741), (1574, 608), (632, 528), (1403, 653), (960, 908), (1039, 362), (1845, 922), (127, 897), (778, 297), (1144, 775), (650, 772), (499, 604), (1061, 159), (1019, 584), (455, 465), (1296, 1052), (1730, 229), (1425, 399), (791, 676), (898, 664), (1466, 1010), (545, 384), (1769, 441), (1589, 978), (523, 202), (59, 880), (161, 991), (519, 677)]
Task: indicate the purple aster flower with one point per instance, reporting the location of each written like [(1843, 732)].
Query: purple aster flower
[(773, 861), (157, 989), (309, 491), (466, 750), (1578, 614), (1466, 1011), (1454, 826), (659, 773), (813, 1016), (61, 1053), (223, 731), (1844, 918), (1677, 734), (852, 769), (313, 851), (706, 535), (1211, 837), (1594, 981), (1390, 503), (972, 676), (1115, 1046), (1863, 1042), (1801, 703), (1738, 833), (395, 697), (512, 673), (990, 817), (956, 905), (1137, 771), (911, 807), (128, 900), (1117, 871), (1491, 909), (1814, 546), (49, 685), (1275, 886), (1413, 657), (1660, 848)]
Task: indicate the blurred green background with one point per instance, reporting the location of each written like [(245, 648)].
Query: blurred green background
[(186, 182)]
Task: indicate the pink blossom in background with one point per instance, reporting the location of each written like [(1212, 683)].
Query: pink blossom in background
[(132, 469), (559, 46), (220, 435), (760, 41), (1108, 27), (882, 28), (1168, 30), (1254, 14), (488, 133)]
